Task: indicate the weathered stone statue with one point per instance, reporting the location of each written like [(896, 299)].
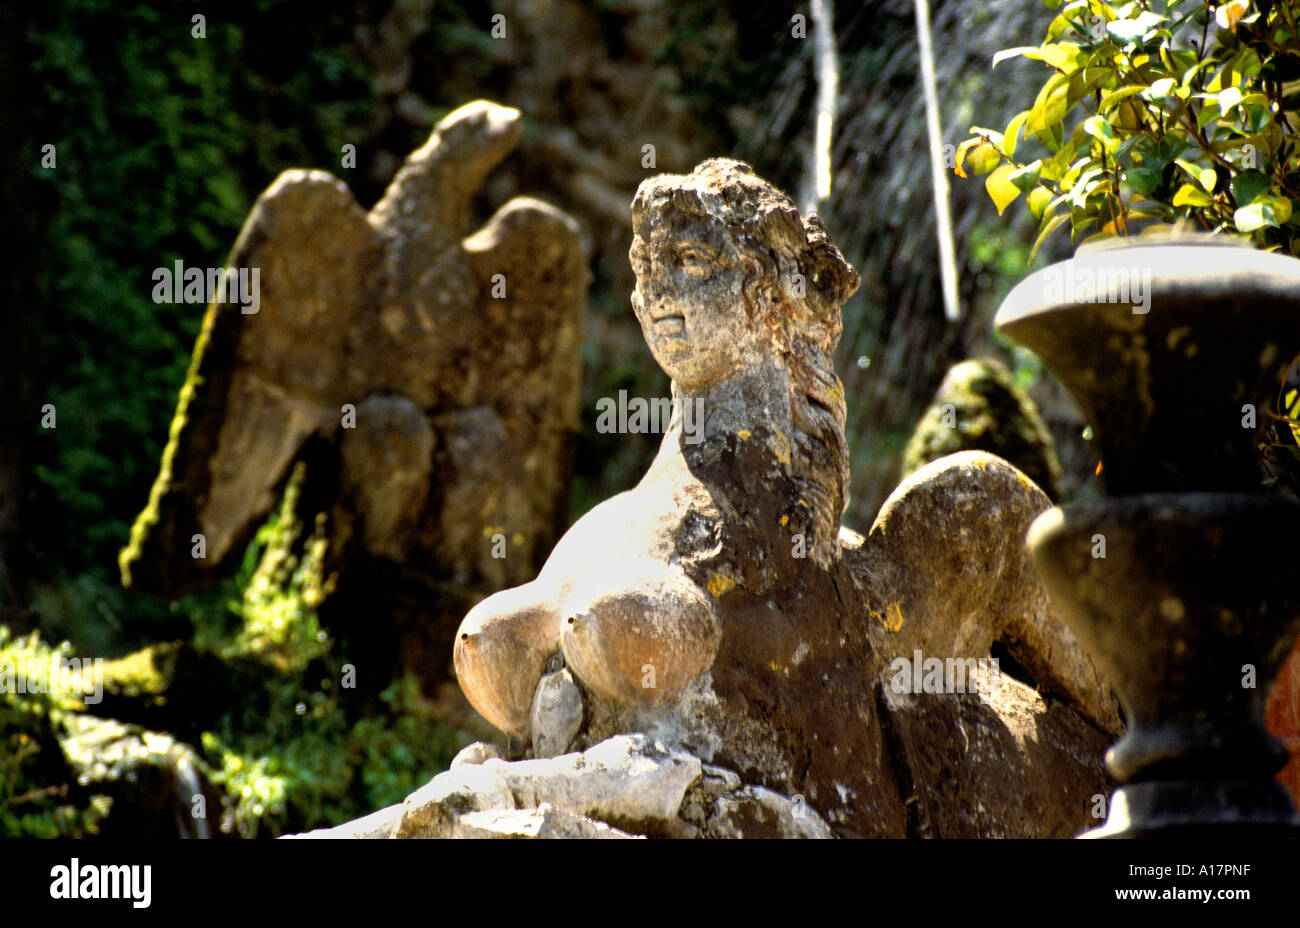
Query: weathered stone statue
[(429, 377), (979, 407), (719, 605)]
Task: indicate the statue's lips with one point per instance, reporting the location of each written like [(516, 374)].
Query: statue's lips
[(670, 325)]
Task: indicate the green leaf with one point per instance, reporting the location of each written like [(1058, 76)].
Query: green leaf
[(1000, 188), (1257, 118), (1166, 150), (1026, 178), (1282, 210), (1143, 180), (1114, 98), (1188, 195), (1252, 217), (1161, 89), (1101, 130), (1248, 185), (1126, 146)]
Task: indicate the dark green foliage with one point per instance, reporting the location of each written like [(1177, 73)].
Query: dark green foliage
[(163, 141)]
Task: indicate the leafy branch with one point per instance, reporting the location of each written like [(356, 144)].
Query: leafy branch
[(1155, 116)]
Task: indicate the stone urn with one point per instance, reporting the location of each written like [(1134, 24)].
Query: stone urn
[(1181, 581)]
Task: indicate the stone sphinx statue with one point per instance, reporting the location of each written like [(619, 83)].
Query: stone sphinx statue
[(720, 605)]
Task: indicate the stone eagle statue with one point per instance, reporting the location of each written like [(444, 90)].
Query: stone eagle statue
[(431, 375)]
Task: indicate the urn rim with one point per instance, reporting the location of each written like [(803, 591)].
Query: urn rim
[(1173, 266)]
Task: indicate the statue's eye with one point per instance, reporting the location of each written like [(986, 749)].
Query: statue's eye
[(696, 261)]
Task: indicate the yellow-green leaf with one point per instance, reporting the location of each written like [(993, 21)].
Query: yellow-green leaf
[(1050, 225), (959, 158), (1061, 56), (1202, 175), (1116, 97), (1037, 201), (1052, 139), (1101, 130), (1192, 71), (1188, 195), (1292, 410), (1013, 132), (983, 159), (1051, 105), (1000, 188)]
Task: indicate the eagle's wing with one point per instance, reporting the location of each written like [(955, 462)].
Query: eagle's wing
[(249, 401)]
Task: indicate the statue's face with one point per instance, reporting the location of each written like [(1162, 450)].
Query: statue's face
[(688, 297)]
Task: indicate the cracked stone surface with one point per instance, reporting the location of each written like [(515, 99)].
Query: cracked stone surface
[(626, 786)]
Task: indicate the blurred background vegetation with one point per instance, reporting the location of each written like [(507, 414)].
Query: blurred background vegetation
[(163, 142)]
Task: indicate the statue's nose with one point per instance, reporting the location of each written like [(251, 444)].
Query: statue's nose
[(653, 288)]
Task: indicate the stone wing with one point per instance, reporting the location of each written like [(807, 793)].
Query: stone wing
[(259, 384), (947, 564)]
